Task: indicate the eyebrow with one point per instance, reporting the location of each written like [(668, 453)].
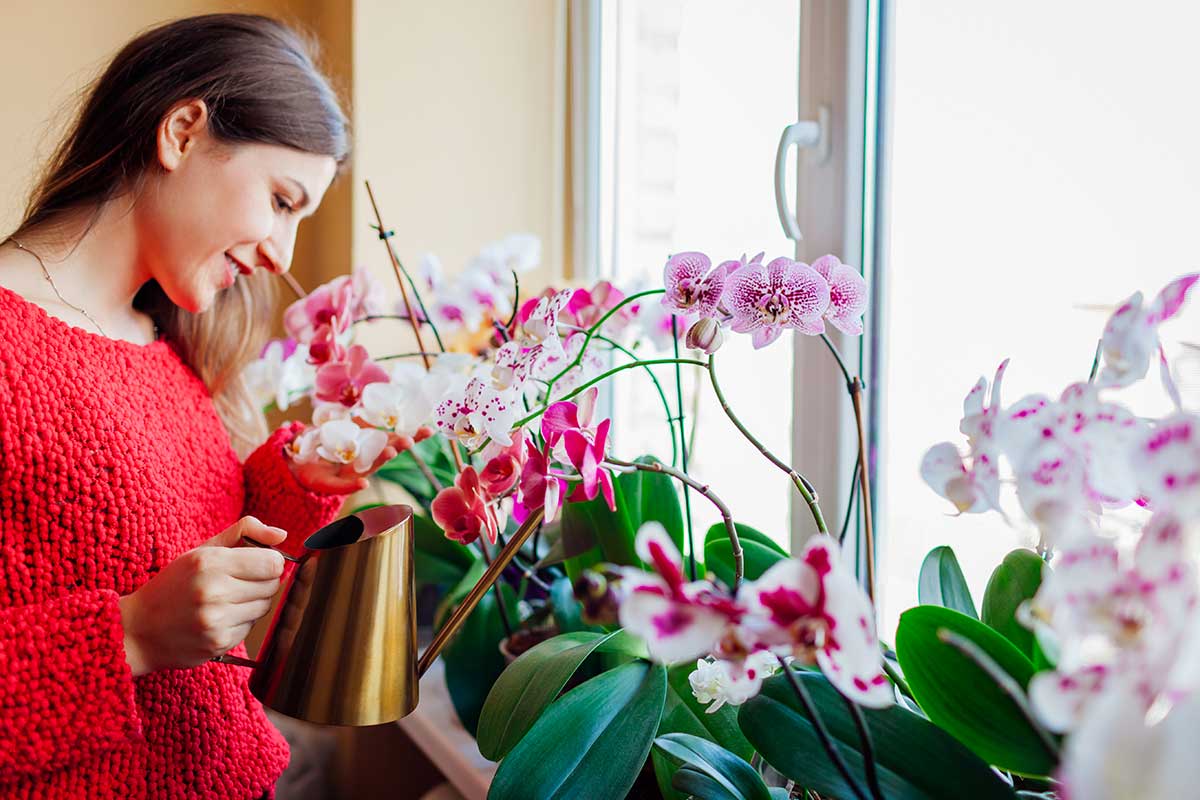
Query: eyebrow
[(303, 192)]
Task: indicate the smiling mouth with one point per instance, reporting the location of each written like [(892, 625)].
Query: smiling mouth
[(237, 265)]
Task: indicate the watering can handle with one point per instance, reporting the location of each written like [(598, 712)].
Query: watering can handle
[(226, 658), (447, 631)]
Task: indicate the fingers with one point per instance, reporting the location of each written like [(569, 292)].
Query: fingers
[(239, 591), (251, 528), (254, 564)]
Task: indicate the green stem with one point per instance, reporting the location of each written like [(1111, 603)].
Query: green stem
[(822, 732), (608, 373), (591, 332), (1096, 362), (802, 485), (657, 386), (687, 500), (868, 748), (687, 480), (417, 294)]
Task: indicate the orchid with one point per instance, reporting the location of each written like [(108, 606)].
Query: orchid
[(462, 510), (280, 373), (342, 442), (477, 413), (679, 621), (333, 303), (538, 486), (343, 381), (1130, 337), (721, 683), (847, 294), (765, 301), (693, 285)]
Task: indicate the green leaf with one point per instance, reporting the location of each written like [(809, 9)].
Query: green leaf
[(527, 687), (960, 697), (651, 497), (759, 552), (665, 768), (1016, 580), (473, 659), (736, 777), (942, 583), (438, 559), (699, 785), (591, 743), (685, 714), (914, 758)]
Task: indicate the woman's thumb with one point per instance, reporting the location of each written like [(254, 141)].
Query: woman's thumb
[(251, 528)]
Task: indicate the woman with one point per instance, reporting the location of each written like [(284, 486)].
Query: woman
[(138, 285)]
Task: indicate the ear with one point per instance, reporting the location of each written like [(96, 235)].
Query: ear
[(179, 132)]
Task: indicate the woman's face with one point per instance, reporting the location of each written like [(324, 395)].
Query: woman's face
[(218, 212)]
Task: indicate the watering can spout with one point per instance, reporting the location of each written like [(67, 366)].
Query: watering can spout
[(341, 640)]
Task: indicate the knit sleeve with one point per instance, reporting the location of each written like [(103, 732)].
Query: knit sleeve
[(274, 496), (66, 691)]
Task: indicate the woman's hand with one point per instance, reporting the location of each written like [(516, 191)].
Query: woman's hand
[(323, 476), (203, 603)]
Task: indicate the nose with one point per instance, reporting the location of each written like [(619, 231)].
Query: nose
[(276, 257)]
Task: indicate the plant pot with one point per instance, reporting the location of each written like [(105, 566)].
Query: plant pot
[(523, 640)]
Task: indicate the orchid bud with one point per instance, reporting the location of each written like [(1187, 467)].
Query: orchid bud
[(706, 335), (594, 590)]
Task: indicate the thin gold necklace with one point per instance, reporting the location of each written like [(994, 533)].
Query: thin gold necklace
[(46, 272)]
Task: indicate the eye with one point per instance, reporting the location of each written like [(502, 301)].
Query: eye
[(282, 204)]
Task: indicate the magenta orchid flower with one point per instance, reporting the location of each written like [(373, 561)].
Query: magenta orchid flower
[(765, 301), (332, 303), (343, 381), (847, 294), (538, 487), (586, 454), (813, 609), (678, 621), (693, 285), (587, 306)]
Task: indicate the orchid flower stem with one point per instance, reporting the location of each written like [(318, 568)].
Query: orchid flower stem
[(516, 301), (731, 530), (294, 285), (850, 500), (425, 470), (591, 332), (606, 374), (416, 294), (406, 355), (654, 378), (854, 386), (822, 732), (802, 485), (868, 748), (501, 606), (1096, 361), (1003, 680), (683, 450)]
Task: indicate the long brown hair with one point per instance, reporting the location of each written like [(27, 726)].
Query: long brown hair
[(258, 78)]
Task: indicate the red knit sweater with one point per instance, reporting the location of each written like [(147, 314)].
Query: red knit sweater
[(112, 463)]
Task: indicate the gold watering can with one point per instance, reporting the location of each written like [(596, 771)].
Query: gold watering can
[(341, 637)]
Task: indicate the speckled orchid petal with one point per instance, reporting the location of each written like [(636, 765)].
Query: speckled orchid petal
[(765, 301), (847, 294), (693, 286), (943, 470), (479, 411), (1167, 460), (1059, 699)]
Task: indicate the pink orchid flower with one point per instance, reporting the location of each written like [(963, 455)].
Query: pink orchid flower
[(462, 510), (587, 306), (538, 486), (503, 465), (678, 621), (733, 265), (1130, 336), (587, 456), (568, 415), (693, 285), (332, 303), (343, 381), (765, 301), (814, 610), (325, 346), (847, 294)]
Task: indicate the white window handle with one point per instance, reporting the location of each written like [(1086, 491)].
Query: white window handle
[(801, 134)]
